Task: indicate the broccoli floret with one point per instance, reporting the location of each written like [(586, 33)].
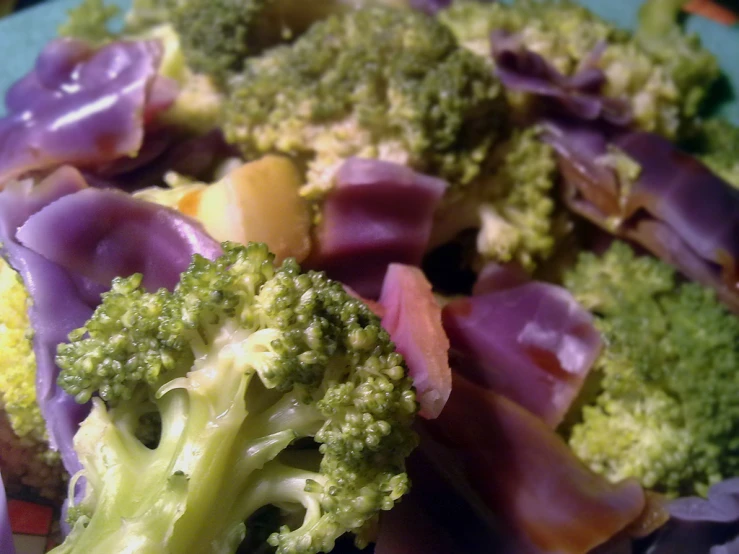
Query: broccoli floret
[(667, 412), (664, 72), (516, 198), (717, 146), (244, 362), (26, 459), (378, 82), (90, 21)]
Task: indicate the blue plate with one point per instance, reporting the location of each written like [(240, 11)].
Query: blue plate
[(23, 35)]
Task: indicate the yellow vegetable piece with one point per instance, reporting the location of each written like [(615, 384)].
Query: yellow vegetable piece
[(17, 359), (258, 201)]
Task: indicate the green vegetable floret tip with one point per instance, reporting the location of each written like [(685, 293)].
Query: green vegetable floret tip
[(378, 82), (717, 145), (518, 217), (244, 362), (667, 407)]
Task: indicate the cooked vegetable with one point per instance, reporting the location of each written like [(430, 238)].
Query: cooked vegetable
[(374, 83), (378, 213), (532, 343), (412, 316), (255, 202), (518, 220), (524, 71), (664, 73), (26, 460), (17, 361), (6, 533), (52, 292), (241, 361), (667, 409), (702, 524), (219, 35), (528, 476), (109, 93), (718, 148), (641, 187), (66, 241), (90, 21)]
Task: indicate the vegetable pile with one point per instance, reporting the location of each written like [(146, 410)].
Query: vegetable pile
[(377, 276)]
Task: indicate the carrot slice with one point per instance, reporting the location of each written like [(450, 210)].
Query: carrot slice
[(712, 10)]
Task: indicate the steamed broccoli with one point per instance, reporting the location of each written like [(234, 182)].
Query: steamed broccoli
[(26, 459), (377, 82), (516, 202), (718, 147), (664, 72), (667, 412), (219, 35), (90, 21), (245, 363)]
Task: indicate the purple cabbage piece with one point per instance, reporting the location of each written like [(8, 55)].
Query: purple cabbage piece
[(81, 106), (430, 7), (57, 307), (378, 213), (676, 207), (120, 236), (701, 525), (579, 95), (72, 241), (532, 343), (6, 533)]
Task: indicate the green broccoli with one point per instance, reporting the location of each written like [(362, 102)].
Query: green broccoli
[(26, 459), (667, 410), (91, 21), (517, 209), (665, 73), (717, 146), (377, 82), (244, 362), (219, 35)]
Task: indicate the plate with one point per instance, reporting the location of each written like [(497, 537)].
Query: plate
[(24, 34)]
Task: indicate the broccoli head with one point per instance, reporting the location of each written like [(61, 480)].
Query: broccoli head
[(219, 35), (377, 82), (664, 72), (517, 210), (667, 410), (273, 388), (26, 459), (717, 146), (91, 21)]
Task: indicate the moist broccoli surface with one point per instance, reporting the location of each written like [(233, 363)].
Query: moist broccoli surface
[(668, 408), (243, 363), (718, 147), (219, 35), (91, 21), (664, 72), (377, 82), (518, 219)]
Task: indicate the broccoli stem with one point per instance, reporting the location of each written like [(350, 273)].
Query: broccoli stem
[(212, 453)]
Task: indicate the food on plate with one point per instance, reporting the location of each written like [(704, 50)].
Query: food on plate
[(513, 327)]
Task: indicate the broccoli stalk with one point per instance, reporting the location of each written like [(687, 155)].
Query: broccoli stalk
[(667, 408), (242, 361)]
